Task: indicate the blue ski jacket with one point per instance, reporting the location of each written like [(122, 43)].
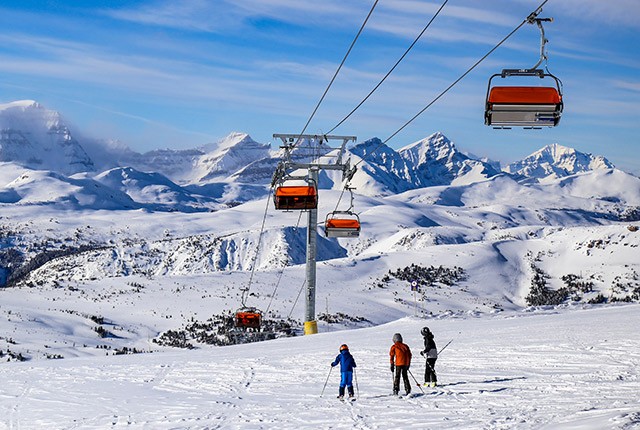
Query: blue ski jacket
[(347, 363)]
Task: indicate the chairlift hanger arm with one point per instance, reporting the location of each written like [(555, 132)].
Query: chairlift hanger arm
[(533, 18)]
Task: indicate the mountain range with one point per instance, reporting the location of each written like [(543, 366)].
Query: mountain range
[(235, 170)]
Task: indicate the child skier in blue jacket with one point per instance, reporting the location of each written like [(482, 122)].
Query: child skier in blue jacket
[(347, 363)]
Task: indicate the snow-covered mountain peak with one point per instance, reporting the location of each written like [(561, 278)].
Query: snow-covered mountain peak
[(234, 152), (437, 161), (36, 137), (434, 147), (23, 114), (557, 161), (233, 139), (373, 150), (21, 104)]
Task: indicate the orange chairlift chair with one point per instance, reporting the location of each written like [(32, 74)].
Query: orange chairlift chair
[(342, 224), (525, 106), (248, 318), (296, 196)]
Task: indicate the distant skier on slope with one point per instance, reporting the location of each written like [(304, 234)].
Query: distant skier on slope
[(347, 364), (400, 356), (430, 352)]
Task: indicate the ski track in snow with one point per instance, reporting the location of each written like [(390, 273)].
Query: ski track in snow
[(542, 370)]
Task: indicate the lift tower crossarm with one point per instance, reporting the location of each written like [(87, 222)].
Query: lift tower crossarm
[(291, 140)]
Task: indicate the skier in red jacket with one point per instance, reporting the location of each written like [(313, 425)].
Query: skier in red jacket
[(400, 356)]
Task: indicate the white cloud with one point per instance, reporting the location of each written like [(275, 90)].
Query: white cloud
[(196, 15), (627, 85), (598, 12), (471, 14), (220, 16)]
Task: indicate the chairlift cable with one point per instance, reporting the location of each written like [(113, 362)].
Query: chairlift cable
[(275, 290), (338, 70), (391, 70), (296, 300), (340, 198), (525, 21), (255, 257)]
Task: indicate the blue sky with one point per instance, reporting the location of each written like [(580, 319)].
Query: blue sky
[(180, 74)]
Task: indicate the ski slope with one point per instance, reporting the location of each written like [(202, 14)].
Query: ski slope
[(570, 368)]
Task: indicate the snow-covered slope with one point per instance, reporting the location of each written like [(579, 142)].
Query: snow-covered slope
[(154, 190), (606, 184), (38, 187), (477, 216), (115, 189), (557, 161), (576, 369)]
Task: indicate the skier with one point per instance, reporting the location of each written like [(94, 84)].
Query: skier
[(430, 352), (347, 363), (400, 356)]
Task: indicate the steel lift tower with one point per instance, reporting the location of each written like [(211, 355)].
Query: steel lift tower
[(316, 148)]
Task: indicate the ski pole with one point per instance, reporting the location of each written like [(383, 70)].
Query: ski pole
[(443, 348), (426, 361), (414, 378), (393, 377), (355, 375), (430, 368), (325, 382)]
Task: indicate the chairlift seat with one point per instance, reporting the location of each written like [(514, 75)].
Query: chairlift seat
[(524, 95), (248, 318), (299, 197), (523, 107), (342, 227)]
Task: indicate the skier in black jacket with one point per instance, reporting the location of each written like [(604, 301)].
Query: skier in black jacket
[(430, 352)]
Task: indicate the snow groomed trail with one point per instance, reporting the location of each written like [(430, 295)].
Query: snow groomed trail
[(544, 369)]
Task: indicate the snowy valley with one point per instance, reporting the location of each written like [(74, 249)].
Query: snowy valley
[(118, 269)]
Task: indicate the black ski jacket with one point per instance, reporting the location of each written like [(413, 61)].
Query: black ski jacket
[(430, 348)]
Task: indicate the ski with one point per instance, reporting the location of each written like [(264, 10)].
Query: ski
[(343, 400)]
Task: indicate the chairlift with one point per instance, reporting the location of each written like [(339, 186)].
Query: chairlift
[(247, 317), (342, 224), (525, 106), (299, 193)]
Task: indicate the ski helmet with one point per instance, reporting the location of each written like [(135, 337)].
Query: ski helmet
[(343, 347), (425, 331), (397, 337)]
